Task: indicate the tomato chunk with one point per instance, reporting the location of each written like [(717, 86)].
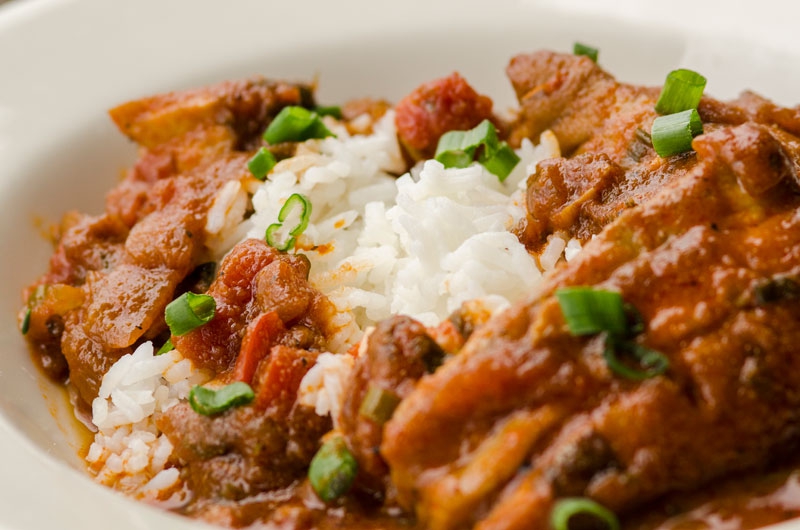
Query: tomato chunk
[(260, 335), (278, 376), (436, 107)]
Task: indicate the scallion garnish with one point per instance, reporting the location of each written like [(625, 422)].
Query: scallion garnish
[(189, 311), (653, 363), (635, 319), (682, 91), (294, 201), (26, 322), (583, 49), (589, 311), (261, 163), (295, 124), (166, 347), (502, 162), (673, 134), (271, 236), (566, 509), (458, 149), (334, 111), (378, 404), (209, 402), (333, 470)]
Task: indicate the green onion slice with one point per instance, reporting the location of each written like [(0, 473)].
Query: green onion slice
[(502, 162), (653, 363), (583, 49), (682, 91), (458, 149), (589, 311), (271, 236), (295, 124), (565, 509), (26, 322), (333, 470), (262, 163), (378, 404), (452, 157), (330, 110), (673, 134), (294, 202), (167, 347), (209, 402), (189, 311), (635, 319)]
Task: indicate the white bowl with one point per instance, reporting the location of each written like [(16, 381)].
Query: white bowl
[(64, 63)]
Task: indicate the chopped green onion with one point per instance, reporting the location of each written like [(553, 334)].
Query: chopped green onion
[(316, 130), (294, 201), (653, 363), (583, 49), (458, 149), (166, 347), (26, 322), (502, 163), (682, 91), (189, 311), (635, 319), (209, 402), (333, 470), (459, 143), (262, 163), (295, 124), (378, 404), (589, 311), (271, 237), (565, 509), (454, 157), (673, 134), (330, 110)]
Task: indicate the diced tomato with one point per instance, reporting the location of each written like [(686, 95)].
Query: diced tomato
[(278, 377), (259, 337), (216, 345), (436, 107)]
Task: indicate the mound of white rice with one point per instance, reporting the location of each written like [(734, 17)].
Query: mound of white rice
[(419, 245), (129, 452)]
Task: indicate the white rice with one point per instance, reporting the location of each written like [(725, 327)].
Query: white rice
[(128, 451), (386, 241), (323, 386), (420, 245)]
